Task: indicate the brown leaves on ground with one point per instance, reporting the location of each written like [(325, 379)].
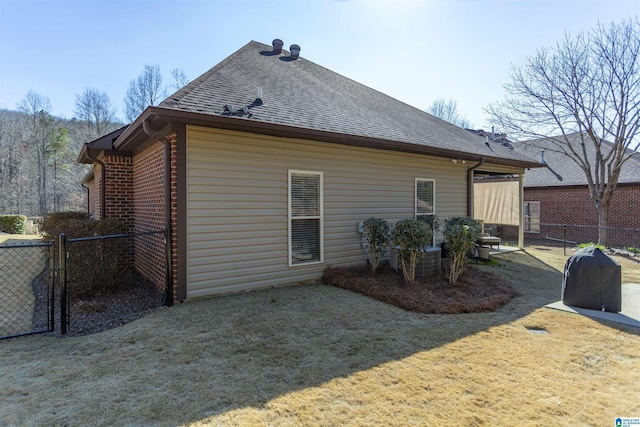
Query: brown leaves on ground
[(476, 290)]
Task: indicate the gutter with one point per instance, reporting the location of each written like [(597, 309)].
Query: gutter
[(128, 140), (103, 184), (470, 187), (167, 208)]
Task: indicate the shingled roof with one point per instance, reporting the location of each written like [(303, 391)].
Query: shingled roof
[(561, 170), (301, 94)]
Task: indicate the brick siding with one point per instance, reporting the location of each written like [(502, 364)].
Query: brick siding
[(174, 214), (119, 188), (574, 206), (135, 188), (148, 213)]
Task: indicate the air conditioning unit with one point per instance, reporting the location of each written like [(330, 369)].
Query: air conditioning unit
[(428, 264)]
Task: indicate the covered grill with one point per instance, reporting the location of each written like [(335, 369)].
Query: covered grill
[(592, 280)]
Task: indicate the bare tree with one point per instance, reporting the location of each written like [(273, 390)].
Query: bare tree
[(179, 79), (10, 137), (95, 108), (39, 138), (144, 90), (447, 110), (588, 84)]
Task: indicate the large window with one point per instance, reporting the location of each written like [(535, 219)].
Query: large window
[(532, 217), (425, 199), (305, 217)]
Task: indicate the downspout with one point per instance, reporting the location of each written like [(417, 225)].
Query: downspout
[(103, 184), (470, 187), (167, 208), (88, 201)]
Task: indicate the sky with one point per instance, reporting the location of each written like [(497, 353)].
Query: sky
[(415, 51)]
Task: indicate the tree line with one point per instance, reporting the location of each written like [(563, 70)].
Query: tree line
[(588, 83), (39, 172)]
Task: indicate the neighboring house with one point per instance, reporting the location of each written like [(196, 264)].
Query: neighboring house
[(265, 165), (558, 194)]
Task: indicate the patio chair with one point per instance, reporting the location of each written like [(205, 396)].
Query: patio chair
[(486, 239)]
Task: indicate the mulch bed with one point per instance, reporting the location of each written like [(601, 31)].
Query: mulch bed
[(476, 291), (100, 311)]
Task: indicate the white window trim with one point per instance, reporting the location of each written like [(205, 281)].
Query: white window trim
[(415, 197), (320, 217), (415, 203)]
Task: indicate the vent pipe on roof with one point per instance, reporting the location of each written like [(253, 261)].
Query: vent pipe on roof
[(295, 51), (542, 156), (258, 93), (277, 46)]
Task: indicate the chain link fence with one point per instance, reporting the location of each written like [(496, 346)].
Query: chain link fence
[(570, 235), (26, 289), (106, 283), (82, 285), (573, 234)]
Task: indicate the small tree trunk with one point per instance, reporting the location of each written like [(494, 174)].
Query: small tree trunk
[(603, 224)]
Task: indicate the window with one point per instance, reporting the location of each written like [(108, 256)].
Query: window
[(532, 217), (305, 218), (425, 199)]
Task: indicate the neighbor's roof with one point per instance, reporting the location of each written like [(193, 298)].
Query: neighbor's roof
[(561, 170), (303, 99)]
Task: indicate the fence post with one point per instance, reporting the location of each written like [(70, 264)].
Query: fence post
[(52, 285), (168, 268), (63, 282)]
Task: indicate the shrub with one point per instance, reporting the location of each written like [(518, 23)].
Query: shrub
[(460, 235), (73, 224), (597, 245), (92, 265), (377, 233), (410, 236), (12, 224)]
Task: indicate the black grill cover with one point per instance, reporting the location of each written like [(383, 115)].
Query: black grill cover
[(592, 280)]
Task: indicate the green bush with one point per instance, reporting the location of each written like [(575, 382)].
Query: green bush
[(410, 236), (12, 224), (377, 233), (93, 266), (597, 245), (460, 235)]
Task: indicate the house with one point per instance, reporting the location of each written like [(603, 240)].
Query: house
[(558, 195), (265, 164)]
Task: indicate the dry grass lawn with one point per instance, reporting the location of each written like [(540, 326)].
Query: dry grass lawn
[(319, 355)]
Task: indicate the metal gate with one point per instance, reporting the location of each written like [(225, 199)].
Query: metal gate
[(109, 280), (83, 285), (27, 275)]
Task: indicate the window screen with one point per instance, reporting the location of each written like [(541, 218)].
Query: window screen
[(305, 217), (425, 199)]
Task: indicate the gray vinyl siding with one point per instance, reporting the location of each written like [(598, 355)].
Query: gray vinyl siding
[(237, 203)]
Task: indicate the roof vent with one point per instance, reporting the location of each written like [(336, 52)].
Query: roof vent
[(295, 51), (542, 156), (277, 46)]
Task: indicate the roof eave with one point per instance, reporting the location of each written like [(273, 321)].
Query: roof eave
[(105, 142), (159, 117)]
